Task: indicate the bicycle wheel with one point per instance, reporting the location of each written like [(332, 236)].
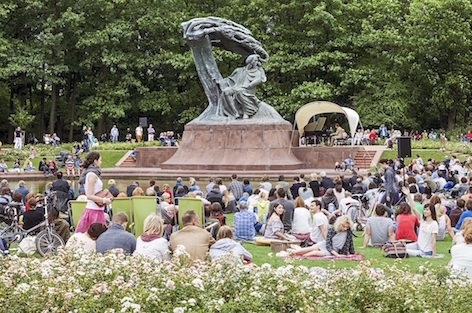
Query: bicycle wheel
[(47, 242)]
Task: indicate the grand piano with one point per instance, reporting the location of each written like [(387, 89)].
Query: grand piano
[(315, 133)]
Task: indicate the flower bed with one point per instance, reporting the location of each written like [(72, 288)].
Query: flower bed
[(76, 282)]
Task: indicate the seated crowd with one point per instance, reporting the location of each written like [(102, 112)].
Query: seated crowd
[(320, 213)]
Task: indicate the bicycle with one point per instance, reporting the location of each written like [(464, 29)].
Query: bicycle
[(47, 240), (359, 213)]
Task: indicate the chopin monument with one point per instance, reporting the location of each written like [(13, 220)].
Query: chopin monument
[(237, 131)]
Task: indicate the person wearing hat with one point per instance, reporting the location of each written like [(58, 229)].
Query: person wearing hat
[(326, 182)]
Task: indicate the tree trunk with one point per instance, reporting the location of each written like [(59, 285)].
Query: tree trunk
[(467, 111), (52, 114), (72, 115), (41, 110), (100, 127), (10, 129), (451, 118)]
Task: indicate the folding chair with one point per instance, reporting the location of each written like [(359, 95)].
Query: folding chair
[(123, 205), (191, 204), (76, 210), (142, 207)]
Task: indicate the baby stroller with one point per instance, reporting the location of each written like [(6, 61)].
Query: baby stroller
[(61, 159)]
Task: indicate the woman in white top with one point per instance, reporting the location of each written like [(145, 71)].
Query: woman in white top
[(461, 254), (426, 244), (301, 224), (151, 244), (86, 241), (90, 178)]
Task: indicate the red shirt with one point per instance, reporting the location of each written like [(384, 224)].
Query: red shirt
[(372, 136), (406, 227)]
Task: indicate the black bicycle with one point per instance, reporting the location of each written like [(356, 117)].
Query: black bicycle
[(47, 240)]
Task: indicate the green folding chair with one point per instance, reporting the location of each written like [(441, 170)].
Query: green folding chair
[(76, 209), (124, 205), (190, 204), (142, 207)]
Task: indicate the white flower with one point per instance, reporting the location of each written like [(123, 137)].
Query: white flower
[(192, 301), (198, 283), (179, 310), (170, 285)]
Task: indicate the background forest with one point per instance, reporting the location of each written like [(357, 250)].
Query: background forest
[(63, 63)]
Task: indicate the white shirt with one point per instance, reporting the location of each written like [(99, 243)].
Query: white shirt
[(441, 182), (442, 228), (157, 248), (98, 187), (81, 241), (318, 219), (251, 201), (301, 223), (462, 258), (427, 231)]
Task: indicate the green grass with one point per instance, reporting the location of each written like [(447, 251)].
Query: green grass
[(424, 154), (260, 255), (109, 158)]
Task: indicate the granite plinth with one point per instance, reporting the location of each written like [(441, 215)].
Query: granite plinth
[(324, 157), (235, 147)]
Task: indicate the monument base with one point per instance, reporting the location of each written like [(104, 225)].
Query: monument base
[(242, 147)]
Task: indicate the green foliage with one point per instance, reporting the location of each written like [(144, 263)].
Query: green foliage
[(103, 62), (21, 118)]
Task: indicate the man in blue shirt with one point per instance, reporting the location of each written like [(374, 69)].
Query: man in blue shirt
[(22, 190), (244, 222)]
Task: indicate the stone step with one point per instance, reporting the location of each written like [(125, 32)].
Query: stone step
[(128, 162), (364, 158)]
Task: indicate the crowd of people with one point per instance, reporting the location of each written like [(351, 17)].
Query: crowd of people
[(419, 203)]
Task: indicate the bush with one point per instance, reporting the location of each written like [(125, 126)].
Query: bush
[(118, 283)]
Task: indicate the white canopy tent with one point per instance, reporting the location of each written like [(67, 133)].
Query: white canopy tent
[(306, 112)]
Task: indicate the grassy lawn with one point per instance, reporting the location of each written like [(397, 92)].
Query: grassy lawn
[(109, 158), (262, 254), (423, 153)]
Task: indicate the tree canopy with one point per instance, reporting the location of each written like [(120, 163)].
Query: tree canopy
[(403, 63)]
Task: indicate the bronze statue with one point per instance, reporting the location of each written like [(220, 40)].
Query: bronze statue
[(230, 98)]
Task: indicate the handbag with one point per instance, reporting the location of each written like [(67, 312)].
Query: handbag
[(395, 249), (105, 193)]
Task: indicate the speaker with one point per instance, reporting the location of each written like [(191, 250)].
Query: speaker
[(404, 147), (143, 121)]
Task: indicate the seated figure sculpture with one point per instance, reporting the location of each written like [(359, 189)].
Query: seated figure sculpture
[(238, 97)]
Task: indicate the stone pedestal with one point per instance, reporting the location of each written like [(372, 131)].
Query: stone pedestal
[(235, 147)]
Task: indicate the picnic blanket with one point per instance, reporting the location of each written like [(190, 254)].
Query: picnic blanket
[(352, 257)]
